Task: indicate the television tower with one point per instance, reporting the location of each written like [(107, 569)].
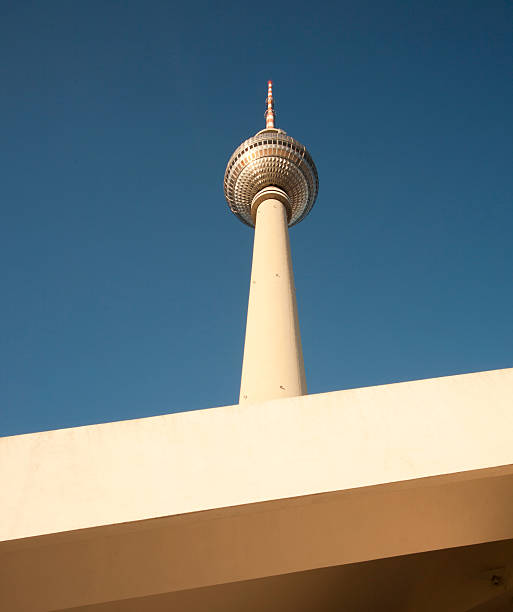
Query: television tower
[(270, 184)]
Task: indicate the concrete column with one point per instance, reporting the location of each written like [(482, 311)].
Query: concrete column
[(273, 360)]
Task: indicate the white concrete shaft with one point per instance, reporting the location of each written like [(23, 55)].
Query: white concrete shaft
[(273, 360)]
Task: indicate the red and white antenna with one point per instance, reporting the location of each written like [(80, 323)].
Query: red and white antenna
[(269, 113)]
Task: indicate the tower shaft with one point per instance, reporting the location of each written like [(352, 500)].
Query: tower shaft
[(273, 360)]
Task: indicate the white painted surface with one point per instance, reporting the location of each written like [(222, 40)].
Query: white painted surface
[(273, 360), (285, 486), (167, 465)]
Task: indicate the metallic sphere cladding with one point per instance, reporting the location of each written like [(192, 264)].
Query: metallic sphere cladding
[(271, 158)]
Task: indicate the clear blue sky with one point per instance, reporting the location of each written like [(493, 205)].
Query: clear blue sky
[(124, 276)]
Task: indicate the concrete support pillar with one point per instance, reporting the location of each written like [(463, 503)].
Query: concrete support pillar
[(273, 360)]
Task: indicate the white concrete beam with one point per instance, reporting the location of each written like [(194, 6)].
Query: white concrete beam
[(242, 492)]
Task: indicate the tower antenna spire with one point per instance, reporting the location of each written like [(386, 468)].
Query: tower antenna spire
[(269, 113)]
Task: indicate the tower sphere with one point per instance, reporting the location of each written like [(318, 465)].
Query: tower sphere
[(271, 158)]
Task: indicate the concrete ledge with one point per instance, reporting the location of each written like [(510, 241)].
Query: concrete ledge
[(134, 508)]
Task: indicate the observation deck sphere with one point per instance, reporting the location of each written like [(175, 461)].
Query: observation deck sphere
[(271, 158)]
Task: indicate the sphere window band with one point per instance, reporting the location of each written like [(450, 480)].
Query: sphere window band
[(261, 162)]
